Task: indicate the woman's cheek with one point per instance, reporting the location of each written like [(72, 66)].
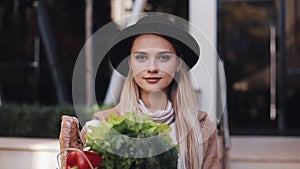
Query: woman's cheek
[(169, 72), (137, 68)]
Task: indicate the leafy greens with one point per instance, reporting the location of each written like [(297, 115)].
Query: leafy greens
[(133, 141)]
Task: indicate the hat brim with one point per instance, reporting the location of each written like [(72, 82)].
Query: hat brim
[(120, 50)]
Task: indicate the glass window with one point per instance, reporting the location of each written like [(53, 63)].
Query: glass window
[(245, 41)]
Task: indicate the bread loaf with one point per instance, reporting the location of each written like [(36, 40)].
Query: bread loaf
[(69, 137)]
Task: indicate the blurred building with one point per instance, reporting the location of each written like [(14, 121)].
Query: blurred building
[(257, 40)]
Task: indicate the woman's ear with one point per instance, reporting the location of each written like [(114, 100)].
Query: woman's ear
[(129, 63), (179, 65)]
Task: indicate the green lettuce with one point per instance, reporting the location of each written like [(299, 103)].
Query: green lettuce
[(133, 141)]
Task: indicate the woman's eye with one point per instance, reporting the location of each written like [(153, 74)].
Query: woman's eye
[(140, 57), (164, 57)]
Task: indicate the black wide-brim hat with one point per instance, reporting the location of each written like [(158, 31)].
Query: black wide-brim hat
[(155, 24)]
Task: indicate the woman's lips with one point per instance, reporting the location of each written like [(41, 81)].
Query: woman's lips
[(152, 79)]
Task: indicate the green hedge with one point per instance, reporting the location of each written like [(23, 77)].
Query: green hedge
[(38, 121), (32, 120)]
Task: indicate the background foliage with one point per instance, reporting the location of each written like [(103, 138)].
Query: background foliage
[(32, 120)]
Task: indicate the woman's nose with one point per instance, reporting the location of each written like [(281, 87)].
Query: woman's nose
[(152, 67), (152, 70)]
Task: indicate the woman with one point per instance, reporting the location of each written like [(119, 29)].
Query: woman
[(155, 56)]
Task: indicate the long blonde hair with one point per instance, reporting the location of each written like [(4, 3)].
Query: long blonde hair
[(185, 104)]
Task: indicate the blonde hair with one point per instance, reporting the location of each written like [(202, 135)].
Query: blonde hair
[(185, 104)]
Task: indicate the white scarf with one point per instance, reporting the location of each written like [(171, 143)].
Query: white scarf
[(166, 117), (160, 116)]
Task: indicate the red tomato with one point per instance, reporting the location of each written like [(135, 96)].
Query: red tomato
[(76, 159)]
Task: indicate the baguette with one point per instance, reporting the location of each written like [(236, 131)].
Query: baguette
[(69, 137)]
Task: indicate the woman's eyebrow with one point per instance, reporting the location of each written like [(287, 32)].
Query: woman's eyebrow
[(139, 52), (161, 52), (165, 52)]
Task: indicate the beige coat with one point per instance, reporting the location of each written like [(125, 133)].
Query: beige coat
[(209, 131)]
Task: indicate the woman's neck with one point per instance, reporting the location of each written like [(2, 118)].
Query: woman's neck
[(155, 100)]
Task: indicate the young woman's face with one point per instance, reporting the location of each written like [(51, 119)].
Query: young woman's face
[(153, 62)]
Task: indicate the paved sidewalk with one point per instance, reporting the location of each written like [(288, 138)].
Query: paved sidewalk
[(28, 153), (264, 152)]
